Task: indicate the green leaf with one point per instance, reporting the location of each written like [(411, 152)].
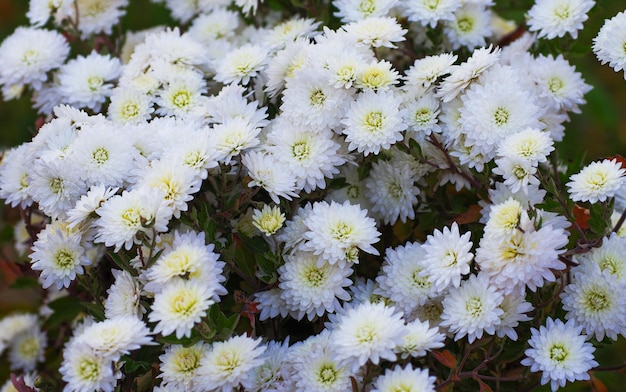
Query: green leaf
[(64, 310), (94, 309), (132, 366), (25, 282), (597, 219)]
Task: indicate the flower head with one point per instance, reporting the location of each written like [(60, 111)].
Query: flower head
[(598, 181)]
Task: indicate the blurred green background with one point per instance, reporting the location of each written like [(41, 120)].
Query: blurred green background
[(599, 131)]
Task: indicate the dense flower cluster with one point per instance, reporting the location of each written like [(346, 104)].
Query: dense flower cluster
[(206, 188)]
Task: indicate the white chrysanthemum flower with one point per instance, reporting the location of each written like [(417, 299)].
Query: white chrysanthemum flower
[(39, 11), (447, 257), (518, 173), (377, 32), (377, 75), (84, 370), (597, 181), (268, 220), (14, 176), (399, 278), (559, 82), (368, 332), (530, 144), (197, 150), (189, 258), (59, 254), (515, 308), (505, 218), (180, 364), (615, 218), (462, 75), (176, 183), (420, 339), (373, 122), (292, 235), (498, 108), (228, 364), (555, 18), (421, 116), (310, 287), (55, 186), (355, 10), (129, 105), (425, 71), (86, 80), (123, 296), (522, 258), (232, 103), (98, 16), (27, 349), (310, 100), (179, 305), (610, 256), (271, 304), (114, 337), (273, 371), (472, 308), (234, 136), (391, 189), (337, 231), (288, 31), (560, 352), (429, 13), (405, 379), (609, 44), (241, 64), (317, 368), (182, 96), (270, 174), (123, 217), (311, 156), (593, 300), (28, 54), (86, 207), (13, 325), (219, 23), (469, 27), (284, 64)]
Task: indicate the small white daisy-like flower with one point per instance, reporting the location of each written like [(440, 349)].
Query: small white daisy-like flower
[(268, 220), (593, 301), (559, 82), (270, 174), (462, 75), (530, 144), (98, 16), (84, 370), (272, 371), (425, 71), (124, 216), (271, 304), (123, 296), (27, 349), (355, 10), (39, 11), (219, 23), (377, 32), (59, 254), (86, 80), (227, 364), (337, 231), (399, 278), (472, 308), (180, 364), (391, 188), (378, 75), (292, 234), (560, 352), (610, 256), (86, 206), (114, 337), (288, 31), (14, 324), (405, 379), (179, 305), (517, 173), (368, 332), (318, 368), (421, 116), (515, 308), (312, 288), (241, 64), (609, 44), (555, 18), (470, 26), (234, 136), (373, 122), (14, 176), (28, 54), (429, 13), (182, 96), (420, 339), (597, 181), (447, 257), (129, 105)]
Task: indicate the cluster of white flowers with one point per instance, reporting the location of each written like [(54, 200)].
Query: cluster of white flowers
[(192, 155)]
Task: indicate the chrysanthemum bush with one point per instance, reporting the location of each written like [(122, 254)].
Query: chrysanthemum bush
[(354, 195)]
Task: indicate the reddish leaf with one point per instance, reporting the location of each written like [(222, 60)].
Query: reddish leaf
[(446, 358), (597, 385), (582, 216), (471, 215), (620, 159), (484, 387)]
